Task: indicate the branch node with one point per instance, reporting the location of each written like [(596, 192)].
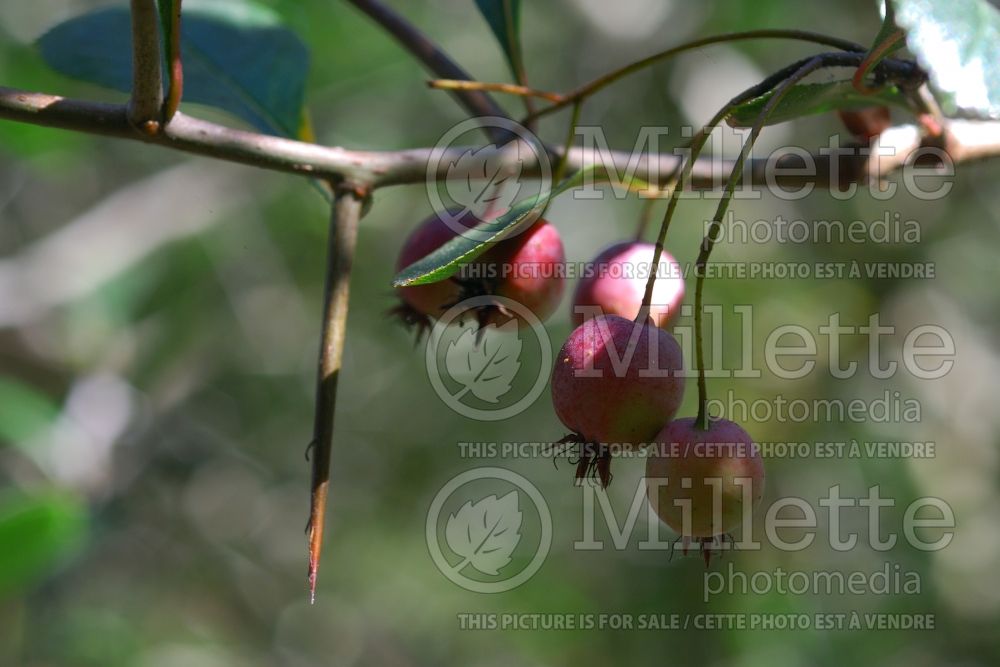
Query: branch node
[(360, 191), (151, 128)]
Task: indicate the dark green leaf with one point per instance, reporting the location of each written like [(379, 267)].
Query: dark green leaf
[(237, 57), (35, 533), (23, 411), (812, 98), (446, 260), (504, 17), (958, 43)]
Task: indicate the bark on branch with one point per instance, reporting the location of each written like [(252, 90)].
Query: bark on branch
[(342, 241), (147, 85), (966, 141)]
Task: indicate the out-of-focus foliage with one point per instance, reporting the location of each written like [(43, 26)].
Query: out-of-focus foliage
[(504, 19), (23, 411), (36, 532), (236, 55), (167, 308), (958, 42)]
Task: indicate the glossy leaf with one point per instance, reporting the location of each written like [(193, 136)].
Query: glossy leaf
[(446, 260), (958, 43), (237, 57), (812, 98), (36, 532), (504, 18)]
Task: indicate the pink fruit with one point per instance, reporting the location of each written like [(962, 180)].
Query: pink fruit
[(530, 269), (434, 298), (616, 282), (616, 382), (527, 269), (866, 123), (687, 456)]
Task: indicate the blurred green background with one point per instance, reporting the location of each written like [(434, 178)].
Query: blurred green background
[(158, 326)]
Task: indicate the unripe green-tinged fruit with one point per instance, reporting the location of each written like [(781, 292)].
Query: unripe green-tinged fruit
[(700, 482)]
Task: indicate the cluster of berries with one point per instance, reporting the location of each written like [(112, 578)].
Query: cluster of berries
[(617, 380)]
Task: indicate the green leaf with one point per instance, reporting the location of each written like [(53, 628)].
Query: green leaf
[(23, 411), (504, 18), (812, 98), (237, 57), (36, 532), (446, 260), (958, 43)]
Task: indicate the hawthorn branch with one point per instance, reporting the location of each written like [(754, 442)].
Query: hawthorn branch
[(508, 88), (477, 102), (605, 80), (966, 141), (196, 136), (342, 241), (147, 85)]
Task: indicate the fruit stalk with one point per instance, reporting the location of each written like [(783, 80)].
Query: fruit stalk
[(560, 169), (697, 144), (707, 243), (609, 78), (793, 72), (342, 241), (645, 217)]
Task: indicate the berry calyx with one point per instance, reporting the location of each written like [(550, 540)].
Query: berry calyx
[(701, 482), (616, 382), (616, 281), (527, 268)]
